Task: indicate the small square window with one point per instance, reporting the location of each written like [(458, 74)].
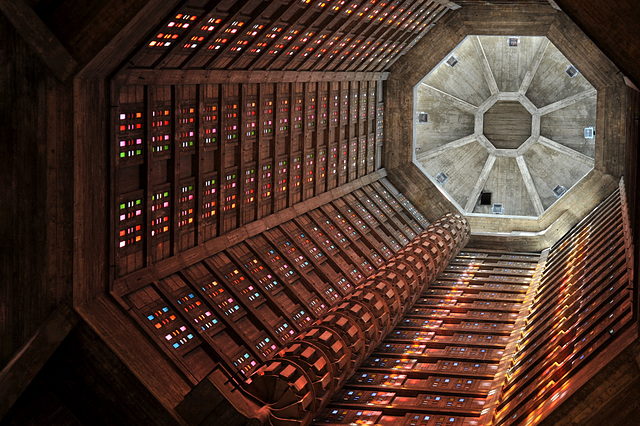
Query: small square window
[(559, 190), (442, 178), (423, 117), (571, 71), (589, 132), (513, 41), (485, 198), (452, 61), (497, 208)]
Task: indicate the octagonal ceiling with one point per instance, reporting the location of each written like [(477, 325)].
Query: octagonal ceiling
[(505, 125)]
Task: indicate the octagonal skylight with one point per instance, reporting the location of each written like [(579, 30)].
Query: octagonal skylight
[(506, 120)]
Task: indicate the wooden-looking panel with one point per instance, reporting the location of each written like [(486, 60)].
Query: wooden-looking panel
[(37, 196), (581, 317), (239, 306), (280, 35), (192, 162)]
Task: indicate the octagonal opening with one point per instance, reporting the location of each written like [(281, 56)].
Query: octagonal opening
[(507, 124), (506, 120)]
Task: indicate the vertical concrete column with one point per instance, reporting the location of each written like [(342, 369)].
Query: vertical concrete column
[(301, 379)]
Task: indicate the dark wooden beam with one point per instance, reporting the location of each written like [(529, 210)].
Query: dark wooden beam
[(117, 329), (612, 395), (209, 402), (109, 59), (614, 28), (29, 360), (40, 38)]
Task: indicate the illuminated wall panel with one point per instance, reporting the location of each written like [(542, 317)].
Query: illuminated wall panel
[(130, 135), (231, 199), (579, 315), (130, 230), (187, 205), (435, 367), (263, 292), (160, 130), (210, 123), (129, 150), (163, 319), (160, 222), (277, 139)]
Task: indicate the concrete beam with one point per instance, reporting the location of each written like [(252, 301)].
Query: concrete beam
[(449, 4), (531, 187), (38, 35), (16, 376), (528, 77), (568, 101), (567, 151), (439, 150), (463, 105), (190, 76), (484, 175), (486, 68), (491, 149)]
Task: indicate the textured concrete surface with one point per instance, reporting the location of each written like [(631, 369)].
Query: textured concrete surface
[(465, 80), (448, 121), (551, 83), (510, 65), (550, 167), (508, 188), (581, 114), (463, 165)]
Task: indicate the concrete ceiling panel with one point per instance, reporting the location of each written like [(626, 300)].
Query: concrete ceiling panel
[(581, 114), (507, 187), (464, 80), (549, 168), (551, 83), (509, 64), (462, 165)]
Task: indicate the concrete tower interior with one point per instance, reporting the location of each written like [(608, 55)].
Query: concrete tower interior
[(328, 212)]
